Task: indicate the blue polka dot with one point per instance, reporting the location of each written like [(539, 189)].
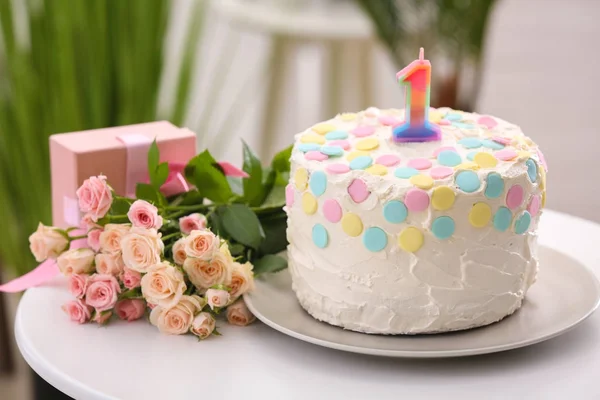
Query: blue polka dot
[(471, 155), (318, 182), (319, 236), (490, 144), (405, 172), (361, 162), (442, 227), (449, 158), (470, 142), (395, 211), (522, 223), (375, 239), (467, 181), (453, 117), (494, 186), (306, 147), (502, 219), (463, 125), (336, 135), (334, 151), (532, 170)]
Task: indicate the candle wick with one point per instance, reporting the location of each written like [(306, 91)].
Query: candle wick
[(421, 54)]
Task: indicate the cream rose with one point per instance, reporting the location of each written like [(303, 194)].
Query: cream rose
[(203, 325), (47, 242), (178, 250), (217, 298), (176, 320), (109, 264), (110, 238), (141, 248), (76, 261), (202, 244), (204, 274), (238, 314), (242, 279), (163, 285)]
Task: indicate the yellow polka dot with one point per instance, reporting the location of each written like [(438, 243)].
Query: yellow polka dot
[(352, 225), (422, 181), (544, 199), (523, 155), (442, 198), (543, 180), (352, 155), (322, 129), (435, 116), (309, 203), (347, 117), (480, 215), (528, 141), (367, 144), (310, 138), (377, 169), (410, 239), (485, 160), (301, 178), (468, 165)]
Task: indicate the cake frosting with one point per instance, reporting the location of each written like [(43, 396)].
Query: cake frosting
[(408, 238)]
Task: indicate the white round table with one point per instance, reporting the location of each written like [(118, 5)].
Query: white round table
[(134, 361)]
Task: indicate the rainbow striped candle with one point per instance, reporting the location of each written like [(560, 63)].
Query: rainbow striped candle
[(416, 76)]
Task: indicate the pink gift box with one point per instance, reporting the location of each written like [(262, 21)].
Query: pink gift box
[(119, 153)]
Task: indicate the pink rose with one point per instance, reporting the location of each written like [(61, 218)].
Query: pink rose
[(77, 311), (130, 309), (203, 325), (192, 222), (130, 278), (78, 285), (144, 215), (95, 197), (102, 292), (238, 314), (87, 223), (109, 264), (47, 242), (178, 251), (93, 239), (102, 318), (201, 244), (217, 298)]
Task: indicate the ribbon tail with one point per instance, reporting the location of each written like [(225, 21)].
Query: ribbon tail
[(43, 273), (231, 170)]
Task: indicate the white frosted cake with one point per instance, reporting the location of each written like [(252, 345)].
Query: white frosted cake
[(407, 238)]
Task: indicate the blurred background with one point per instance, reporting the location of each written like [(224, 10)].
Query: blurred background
[(264, 70)]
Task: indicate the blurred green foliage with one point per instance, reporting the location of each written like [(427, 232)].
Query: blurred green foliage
[(69, 66)]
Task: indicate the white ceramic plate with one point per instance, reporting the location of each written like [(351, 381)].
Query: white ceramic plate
[(565, 294)]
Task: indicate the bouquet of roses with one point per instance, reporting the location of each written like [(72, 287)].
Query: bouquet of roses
[(185, 258)]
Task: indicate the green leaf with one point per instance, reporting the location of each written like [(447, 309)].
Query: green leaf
[(215, 224), (274, 226), (241, 224), (149, 193), (153, 159), (161, 174), (120, 206), (236, 185), (135, 293), (236, 249), (253, 189), (269, 263), (281, 160), (204, 172), (191, 198)]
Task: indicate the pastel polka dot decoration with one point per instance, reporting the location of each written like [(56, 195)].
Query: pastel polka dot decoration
[(377, 169), (337, 168), (316, 156), (367, 144), (480, 215), (289, 195), (532, 170), (522, 223), (375, 239), (363, 131), (318, 183), (361, 162), (468, 181), (358, 190), (322, 129), (332, 210), (492, 144), (437, 151), (449, 158), (502, 219), (355, 154), (416, 200), (405, 172), (352, 224), (388, 160), (344, 144), (534, 205), (388, 120), (301, 179), (422, 181), (442, 227), (487, 121), (494, 185), (335, 135), (419, 163), (332, 151), (514, 197), (506, 155), (312, 138), (470, 143), (319, 236), (442, 198), (441, 172), (395, 212), (485, 160), (309, 203), (410, 239), (306, 147)]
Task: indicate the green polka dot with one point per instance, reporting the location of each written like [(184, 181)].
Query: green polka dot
[(467, 181), (319, 236), (449, 158), (532, 170), (494, 185), (395, 211), (502, 219), (318, 183), (522, 223), (375, 239), (405, 172), (443, 227)]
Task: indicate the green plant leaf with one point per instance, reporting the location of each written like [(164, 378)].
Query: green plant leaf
[(236, 185), (153, 160), (135, 293), (236, 249), (204, 172), (281, 160), (241, 224), (191, 198), (274, 226), (269, 263), (149, 193), (254, 192), (120, 206), (161, 173)]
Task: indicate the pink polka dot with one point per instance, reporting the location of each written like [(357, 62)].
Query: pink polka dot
[(487, 121), (332, 210), (362, 131), (440, 149), (337, 168), (316, 156), (416, 200), (389, 120), (542, 159), (344, 144), (358, 190), (441, 172), (289, 195), (506, 154), (419, 163), (501, 140), (534, 205), (388, 160), (514, 197), (444, 122)]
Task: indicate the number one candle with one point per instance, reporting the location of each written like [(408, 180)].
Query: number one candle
[(416, 76)]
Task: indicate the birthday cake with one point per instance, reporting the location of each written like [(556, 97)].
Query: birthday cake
[(394, 237)]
